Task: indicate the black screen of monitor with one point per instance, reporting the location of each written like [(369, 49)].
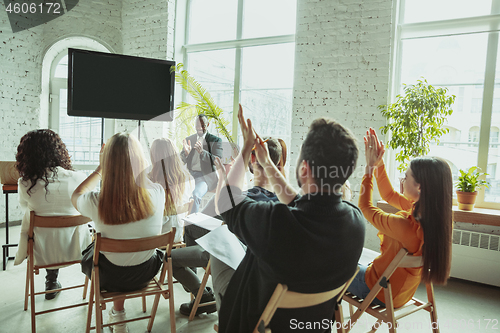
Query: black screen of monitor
[(118, 86)]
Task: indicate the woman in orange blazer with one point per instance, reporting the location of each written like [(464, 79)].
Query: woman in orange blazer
[(423, 225)]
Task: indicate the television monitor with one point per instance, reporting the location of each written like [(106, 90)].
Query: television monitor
[(119, 86)]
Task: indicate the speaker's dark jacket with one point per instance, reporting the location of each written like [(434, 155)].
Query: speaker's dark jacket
[(212, 146)]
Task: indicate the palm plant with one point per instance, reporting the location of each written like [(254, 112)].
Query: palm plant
[(204, 104)]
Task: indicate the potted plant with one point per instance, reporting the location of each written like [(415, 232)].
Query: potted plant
[(416, 119), (467, 185)]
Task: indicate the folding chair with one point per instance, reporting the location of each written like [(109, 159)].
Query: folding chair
[(200, 293), (32, 269), (155, 287), (286, 299), (388, 314)]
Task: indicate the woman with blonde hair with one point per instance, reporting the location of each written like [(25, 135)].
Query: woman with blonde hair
[(423, 226), (178, 186), (128, 206)]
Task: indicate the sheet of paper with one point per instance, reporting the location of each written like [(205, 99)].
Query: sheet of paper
[(367, 256), (202, 220), (224, 245)]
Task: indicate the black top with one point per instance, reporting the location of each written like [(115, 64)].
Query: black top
[(312, 245)]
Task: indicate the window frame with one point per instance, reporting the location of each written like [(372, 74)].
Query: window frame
[(489, 24), (182, 48)]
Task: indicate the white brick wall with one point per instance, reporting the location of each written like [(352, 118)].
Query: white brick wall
[(21, 57), (342, 66)]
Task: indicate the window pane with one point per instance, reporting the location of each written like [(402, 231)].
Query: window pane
[(445, 60), (434, 10), (267, 67), (492, 193), (214, 70), (62, 68), (211, 21), (262, 18), (82, 135), (266, 94)]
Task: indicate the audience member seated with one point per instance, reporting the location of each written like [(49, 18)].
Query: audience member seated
[(199, 151), (45, 187), (423, 226), (196, 256), (311, 243), (128, 206), (178, 187)]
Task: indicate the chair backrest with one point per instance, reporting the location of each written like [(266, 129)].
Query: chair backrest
[(286, 299), (55, 222), (403, 259)]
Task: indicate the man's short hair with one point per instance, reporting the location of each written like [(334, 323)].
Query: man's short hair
[(331, 152)]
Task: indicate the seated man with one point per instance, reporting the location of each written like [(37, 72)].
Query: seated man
[(311, 243), (196, 256)]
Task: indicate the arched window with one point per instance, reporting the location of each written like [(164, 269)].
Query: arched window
[(82, 135)]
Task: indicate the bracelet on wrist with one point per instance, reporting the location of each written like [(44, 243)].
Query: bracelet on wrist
[(98, 173)]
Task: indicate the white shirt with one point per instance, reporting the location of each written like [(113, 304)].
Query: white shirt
[(195, 162), (151, 226), (52, 245)]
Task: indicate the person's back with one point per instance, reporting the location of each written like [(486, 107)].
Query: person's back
[(311, 243), (45, 187)]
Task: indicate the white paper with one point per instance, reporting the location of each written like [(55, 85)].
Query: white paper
[(202, 220), (367, 256), (224, 245)]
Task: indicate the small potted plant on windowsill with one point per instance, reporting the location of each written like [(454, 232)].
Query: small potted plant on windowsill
[(467, 185)]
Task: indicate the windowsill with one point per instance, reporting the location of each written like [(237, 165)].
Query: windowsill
[(482, 216)]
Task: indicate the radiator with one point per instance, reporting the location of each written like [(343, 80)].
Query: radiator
[(476, 257)]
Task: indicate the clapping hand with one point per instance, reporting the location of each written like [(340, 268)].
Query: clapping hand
[(187, 146), (199, 146), (247, 130), (374, 149)]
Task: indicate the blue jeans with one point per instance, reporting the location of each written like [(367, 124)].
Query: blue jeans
[(200, 189), (359, 288)]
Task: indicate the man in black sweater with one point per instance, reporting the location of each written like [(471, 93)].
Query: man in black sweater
[(311, 243)]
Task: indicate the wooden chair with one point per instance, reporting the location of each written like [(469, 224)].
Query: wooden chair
[(200, 293), (286, 299), (388, 314), (32, 269), (155, 287)]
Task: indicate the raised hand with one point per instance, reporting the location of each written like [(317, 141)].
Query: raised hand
[(374, 149), (199, 146), (187, 146), (246, 129)]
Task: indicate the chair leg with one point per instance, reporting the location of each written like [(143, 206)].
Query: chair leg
[(153, 312), (27, 291), (85, 286), (171, 304), (143, 303), (90, 306), (376, 326), (32, 296), (433, 312), (339, 318), (389, 308), (200, 292)]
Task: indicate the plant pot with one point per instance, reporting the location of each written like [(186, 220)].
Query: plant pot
[(466, 200)]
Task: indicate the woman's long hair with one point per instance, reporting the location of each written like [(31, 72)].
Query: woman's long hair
[(124, 196), (175, 172), (39, 154), (434, 212)]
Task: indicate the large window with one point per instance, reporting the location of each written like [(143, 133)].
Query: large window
[(82, 135), (457, 48), (242, 51)]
